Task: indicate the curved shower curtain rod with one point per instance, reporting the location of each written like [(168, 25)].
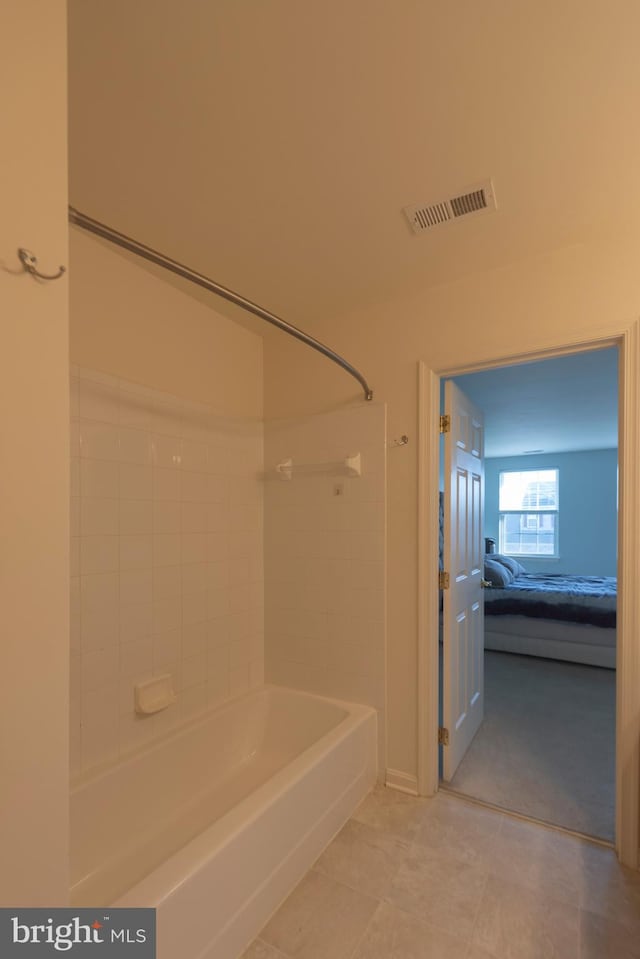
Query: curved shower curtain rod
[(107, 233)]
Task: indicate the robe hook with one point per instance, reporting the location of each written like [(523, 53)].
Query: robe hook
[(30, 263)]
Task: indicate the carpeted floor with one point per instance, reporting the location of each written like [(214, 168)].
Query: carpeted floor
[(546, 747)]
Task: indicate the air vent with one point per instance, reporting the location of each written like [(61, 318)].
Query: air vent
[(472, 202)]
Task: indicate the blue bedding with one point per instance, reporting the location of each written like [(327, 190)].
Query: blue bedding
[(575, 599)]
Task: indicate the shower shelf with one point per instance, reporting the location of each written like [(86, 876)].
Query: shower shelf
[(350, 465)]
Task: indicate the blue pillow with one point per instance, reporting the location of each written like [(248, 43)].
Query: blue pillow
[(497, 574), (512, 564)]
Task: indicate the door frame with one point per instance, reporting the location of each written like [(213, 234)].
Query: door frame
[(627, 340)]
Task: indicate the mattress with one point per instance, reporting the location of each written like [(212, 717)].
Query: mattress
[(587, 600)]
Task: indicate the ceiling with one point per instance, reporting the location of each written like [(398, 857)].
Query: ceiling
[(272, 144), (559, 405)]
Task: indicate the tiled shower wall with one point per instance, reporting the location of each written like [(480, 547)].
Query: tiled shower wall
[(325, 558), (167, 560)]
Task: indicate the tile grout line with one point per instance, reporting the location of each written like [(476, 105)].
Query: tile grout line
[(478, 907), (365, 930)]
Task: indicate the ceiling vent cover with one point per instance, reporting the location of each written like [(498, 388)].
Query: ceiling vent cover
[(472, 202)]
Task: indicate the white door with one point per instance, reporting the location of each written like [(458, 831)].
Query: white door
[(463, 606)]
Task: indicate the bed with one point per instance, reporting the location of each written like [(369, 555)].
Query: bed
[(554, 616)]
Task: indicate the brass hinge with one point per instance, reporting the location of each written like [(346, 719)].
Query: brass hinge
[(445, 423), (443, 736), (443, 580)]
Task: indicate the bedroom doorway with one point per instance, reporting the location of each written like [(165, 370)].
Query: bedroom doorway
[(626, 688), (544, 663)]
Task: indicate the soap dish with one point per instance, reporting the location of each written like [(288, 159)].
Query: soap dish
[(154, 694)]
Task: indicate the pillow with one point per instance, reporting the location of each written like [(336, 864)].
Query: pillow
[(512, 564), (497, 574)]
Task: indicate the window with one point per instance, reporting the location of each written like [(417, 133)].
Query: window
[(528, 506)]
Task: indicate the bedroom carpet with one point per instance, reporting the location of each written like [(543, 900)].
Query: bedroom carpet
[(546, 748)]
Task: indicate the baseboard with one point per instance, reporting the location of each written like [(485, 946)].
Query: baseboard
[(403, 782)]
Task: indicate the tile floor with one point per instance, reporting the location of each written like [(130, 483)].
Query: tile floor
[(446, 879)]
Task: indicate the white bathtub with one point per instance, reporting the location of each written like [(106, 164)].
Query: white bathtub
[(214, 825)]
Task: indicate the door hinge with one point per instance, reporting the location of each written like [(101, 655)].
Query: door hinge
[(443, 580), (445, 423), (443, 736)]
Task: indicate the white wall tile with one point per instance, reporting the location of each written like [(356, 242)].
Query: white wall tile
[(167, 614), (167, 549), (238, 680), (136, 517), (194, 638), (217, 629), (100, 705), (194, 607), (99, 554), (218, 546), (99, 592), (74, 476), (136, 481), (167, 516), (99, 668), (166, 484), (194, 547), (166, 451), (218, 487), (136, 621), (99, 479), (135, 447), (168, 581), (99, 743), (74, 439), (194, 487), (99, 517), (193, 517), (194, 670), (136, 585), (167, 647), (174, 670), (74, 556), (195, 577), (136, 662), (74, 616), (218, 519), (194, 456), (74, 396), (99, 441), (136, 552), (167, 557), (98, 629)]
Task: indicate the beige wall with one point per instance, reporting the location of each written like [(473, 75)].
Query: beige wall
[(127, 321), (34, 430), (539, 303)]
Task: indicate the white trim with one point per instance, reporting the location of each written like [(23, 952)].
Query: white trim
[(428, 567), (628, 652), (628, 619), (403, 782)]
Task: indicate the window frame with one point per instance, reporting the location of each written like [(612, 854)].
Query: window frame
[(502, 513)]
